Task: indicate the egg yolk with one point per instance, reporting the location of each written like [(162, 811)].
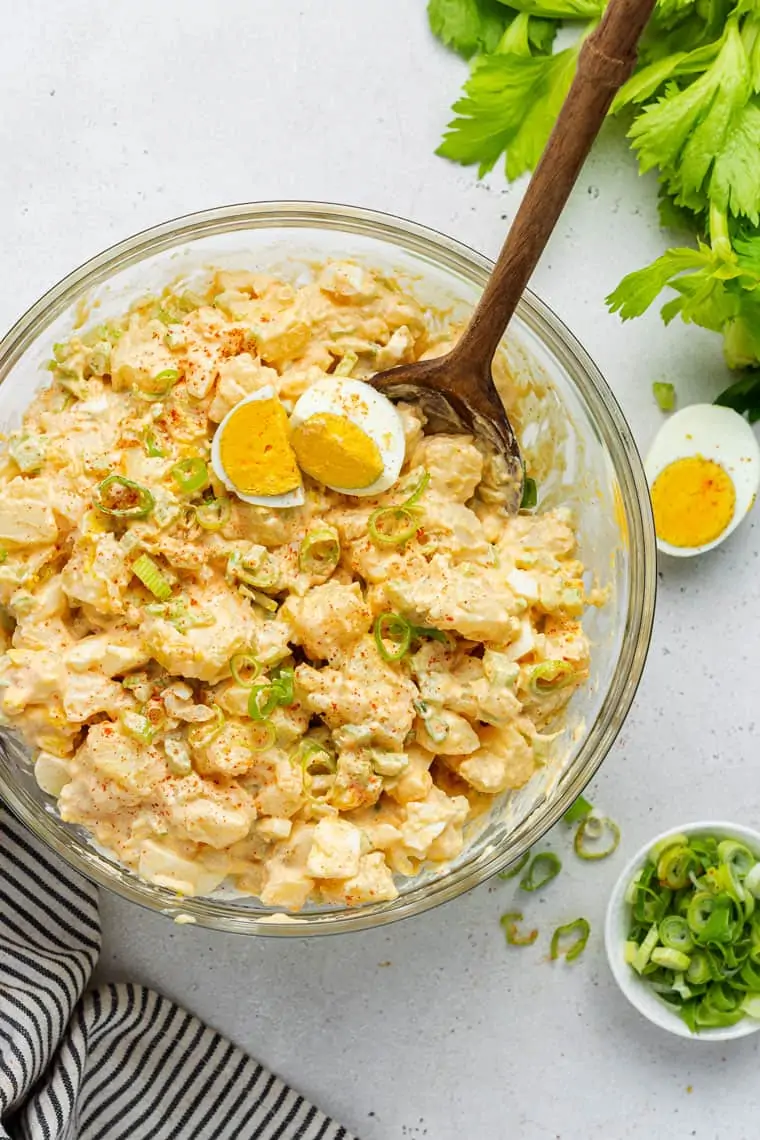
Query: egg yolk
[(693, 500), (254, 450), (333, 450)]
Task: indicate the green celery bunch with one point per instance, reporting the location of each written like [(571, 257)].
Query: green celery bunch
[(693, 114)]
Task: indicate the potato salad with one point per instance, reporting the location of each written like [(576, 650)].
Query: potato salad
[(258, 628)]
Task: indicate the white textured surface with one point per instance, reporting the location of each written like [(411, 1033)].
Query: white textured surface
[(121, 115)]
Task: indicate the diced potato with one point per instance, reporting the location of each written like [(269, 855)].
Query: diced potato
[(365, 690), (239, 377), (114, 756), (372, 883), (203, 651), (24, 522), (328, 620), (335, 851), (161, 863), (86, 694), (97, 574), (454, 463), (284, 796), (458, 735), (230, 753), (504, 760), (469, 599), (427, 819)]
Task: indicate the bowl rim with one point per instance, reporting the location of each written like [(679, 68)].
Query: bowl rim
[(637, 526), (634, 988)]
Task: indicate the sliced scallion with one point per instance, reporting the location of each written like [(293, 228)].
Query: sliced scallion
[(191, 475), (151, 577), (138, 727), (212, 514), (529, 495), (550, 676), (263, 735), (164, 381), (319, 553), (514, 871), (590, 831), (435, 726), (394, 526), (671, 959), (346, 364), (578, 810), (665, 395), (201, 735), (277, 692), (543, 868), (694, 928), (569, 941), (122, 498), (152, 447), (393, 636), (244, 669), (515, 937), (675, 866)]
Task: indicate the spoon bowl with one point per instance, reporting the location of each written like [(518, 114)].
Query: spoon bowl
[(455, 401)]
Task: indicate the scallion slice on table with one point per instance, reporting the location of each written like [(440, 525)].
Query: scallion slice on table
[(513, 872), (591, 830), (578, 810), (542, 869), (665, 395), (512, 934), (394, 526), (122, 498), (569, 941), (694, 933), (151, 577)]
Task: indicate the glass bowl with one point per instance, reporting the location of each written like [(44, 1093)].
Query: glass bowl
[(567, 412)]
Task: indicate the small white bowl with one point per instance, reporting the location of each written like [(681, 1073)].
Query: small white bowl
[(616, 926)]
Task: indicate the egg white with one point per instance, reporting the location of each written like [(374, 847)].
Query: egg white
[(293, 498), (710, 432), (368, 410)]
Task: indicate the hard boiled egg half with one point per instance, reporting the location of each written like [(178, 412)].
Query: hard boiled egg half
[(341, 432), (703, 470), (348, 436), (252, 456)]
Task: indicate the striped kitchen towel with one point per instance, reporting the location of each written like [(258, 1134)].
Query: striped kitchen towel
[(119, 1062)]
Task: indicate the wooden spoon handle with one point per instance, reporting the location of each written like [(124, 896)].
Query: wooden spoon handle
[(606, 60)]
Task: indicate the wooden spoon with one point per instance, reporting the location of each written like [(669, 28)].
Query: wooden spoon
[(456, 392)]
